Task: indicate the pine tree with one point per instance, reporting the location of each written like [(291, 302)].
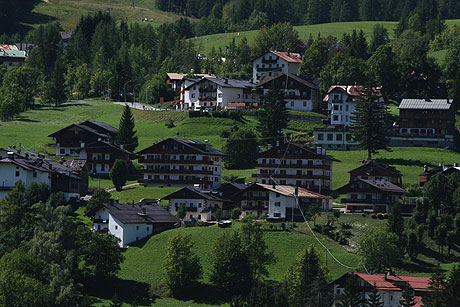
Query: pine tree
[(395, 223), (408, 298), (126, 134), (374, 298), (437, 284), (351, 296), (273, 116), (369, 128)]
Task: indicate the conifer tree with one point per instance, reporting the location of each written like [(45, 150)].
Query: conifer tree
[(369, 128), (374, 298), (273, 116), (408, 298), (351, 296), (126, 134), (395, 222)]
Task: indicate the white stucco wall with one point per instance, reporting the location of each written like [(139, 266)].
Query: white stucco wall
[(8, 176)]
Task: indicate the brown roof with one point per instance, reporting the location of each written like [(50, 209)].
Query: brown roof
[(290, 57), (292, 76), (381, 185), (196, 146), (288, 190)]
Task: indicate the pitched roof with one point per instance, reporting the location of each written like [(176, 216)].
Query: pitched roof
[(282, 148), (381, 185), (426, 104), (353, 91), (417, 283), (9, 53), (104, 144), (176, 76), (133, 214), (195, 145), (84, 127), (188, 192), (369, 164), (290, 57), (301, 79), (100, 126), (228, 83), (288, 190)]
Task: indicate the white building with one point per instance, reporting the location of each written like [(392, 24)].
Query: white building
[(200, 205), (14, 169), (132, 222), (216, 94), (272, 63), (11, 56), (389, 286), (341, 103)]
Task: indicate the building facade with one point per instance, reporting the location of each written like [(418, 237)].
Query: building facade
[(301, 93), (297, 165), (101, 156), (272, 63), (181, 163), (11, 56), (425, 122)]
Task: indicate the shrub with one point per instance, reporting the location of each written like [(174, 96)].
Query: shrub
[(374, 216), (235, 214), (283, 226), (385, 215), (170, 124), (380, 216), (363, 214), (225, 134)]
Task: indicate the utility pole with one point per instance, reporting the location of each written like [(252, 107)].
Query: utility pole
[(326, 256)]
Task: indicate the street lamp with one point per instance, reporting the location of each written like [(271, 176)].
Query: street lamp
[(134, 91), (124, 88), (108, 87)]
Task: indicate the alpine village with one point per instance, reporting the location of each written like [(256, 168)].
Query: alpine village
[(264, 153)]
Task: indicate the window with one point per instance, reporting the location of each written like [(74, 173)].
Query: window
[(336, 117), (193, 95), (199, 216), (346, 108), (338, 137), (219, 95), (17, 173), (137, 227), (148, 228), (304, 103), (191, 216), (199, 205), (277, 203), (329, 136), (238, 95), (277, 194), (336, 107), (34, 174), (62, 151), (116, 227), (292, 103), (137, 238), (320, 136)]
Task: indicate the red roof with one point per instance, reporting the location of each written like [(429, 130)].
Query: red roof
[(417, 283), (290, 57)]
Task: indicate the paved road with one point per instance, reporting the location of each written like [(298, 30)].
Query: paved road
[(139, 106)]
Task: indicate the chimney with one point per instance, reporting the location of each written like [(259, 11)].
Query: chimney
[(425, 168), (122, 147), (206, 143), (226, 80), (10, 155)]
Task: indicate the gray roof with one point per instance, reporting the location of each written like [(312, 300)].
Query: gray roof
[(129, 214), (232, 83), (426, 104)]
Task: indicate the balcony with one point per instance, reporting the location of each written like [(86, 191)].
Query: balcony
[(295, 166), (175, 181), (269, 61), (290, 176), (254, 208), (268, 69), (366, 201), (177, 171), (100, 221), (174, 162), (188, 209), (295, 96), (204, 98), (257, 198), (207, 89), (337, 101)]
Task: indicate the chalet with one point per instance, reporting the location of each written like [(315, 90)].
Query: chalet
[(295, 164), (341, 103), (300, 92), (389, 286), (181, 163), (69, 177), (72, 138), (370, 194), (200, 205), (375, 170), (254, 200), (425, 122), (132, 222), (216, 93), (444, 169), (280, 202), (232, 191), (272, 63), (10, 56), (173, 80), (101, 156)]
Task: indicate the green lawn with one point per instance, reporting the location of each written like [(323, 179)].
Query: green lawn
[(68, 12), (307, 113)]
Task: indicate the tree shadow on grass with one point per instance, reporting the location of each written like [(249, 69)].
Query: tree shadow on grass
[(21, 118), (419, 266), (203, 293), (127, 291), (405, 162)]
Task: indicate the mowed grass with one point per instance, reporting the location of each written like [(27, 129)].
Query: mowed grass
[(68, 12), (337, 29)]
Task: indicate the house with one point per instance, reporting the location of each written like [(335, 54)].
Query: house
[(370, 194), (65, 37), (375, 170), (254, 200), (280, 202), (301, 93), (69, 177), (181, 163), (341, 103), (389, 286), (200, 205), (132, 222), (173, 80), (71, 139), (217, 93), (445, 169), (10, 56), (295, 164), (425, 122), (231, 191), (272, 63), (101, 156)]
